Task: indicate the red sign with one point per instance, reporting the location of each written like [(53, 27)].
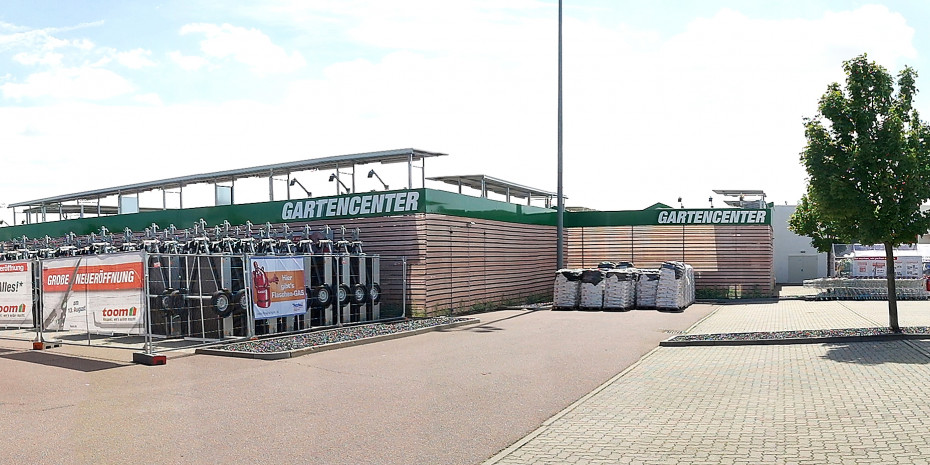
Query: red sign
[(94, 278), (12, 267)]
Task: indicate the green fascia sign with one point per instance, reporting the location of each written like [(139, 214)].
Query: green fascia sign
[(672, 217), (454, 204), (389, 203)]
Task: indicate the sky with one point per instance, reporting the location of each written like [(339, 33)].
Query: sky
[(662, 99)]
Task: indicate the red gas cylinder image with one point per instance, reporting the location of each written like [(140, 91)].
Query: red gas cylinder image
[(261, 286)]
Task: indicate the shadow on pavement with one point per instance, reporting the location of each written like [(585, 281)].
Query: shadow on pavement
[(879, 352), (62, 361), (770, 301), (486, 326)]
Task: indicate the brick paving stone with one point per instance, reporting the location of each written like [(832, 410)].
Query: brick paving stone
[(789, 315), (857, 402)]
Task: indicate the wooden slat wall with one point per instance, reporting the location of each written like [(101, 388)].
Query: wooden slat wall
[(473, 262), (481, 262), (745, 257), (468, 264), (722, 256)]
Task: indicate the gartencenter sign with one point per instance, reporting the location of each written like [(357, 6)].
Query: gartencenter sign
[(740, 216), (352, 205)]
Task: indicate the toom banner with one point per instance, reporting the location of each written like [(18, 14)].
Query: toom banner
[(908, 266), (16, 294), (94, 293), (278, 287)]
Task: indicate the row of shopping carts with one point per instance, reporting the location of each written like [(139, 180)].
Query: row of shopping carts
[(868, 288), (224, 239)]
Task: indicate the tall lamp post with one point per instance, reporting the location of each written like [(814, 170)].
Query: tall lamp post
[(560, 223)]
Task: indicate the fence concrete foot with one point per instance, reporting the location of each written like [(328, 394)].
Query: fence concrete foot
[(42, 345), (149, 359)]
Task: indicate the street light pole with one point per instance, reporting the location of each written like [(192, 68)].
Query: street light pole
[(560, 240)]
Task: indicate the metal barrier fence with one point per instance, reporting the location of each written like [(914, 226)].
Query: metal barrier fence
[(868, 288), (166, 301)]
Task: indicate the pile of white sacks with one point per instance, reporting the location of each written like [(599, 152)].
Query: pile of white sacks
[(624, 287), (675, 290)]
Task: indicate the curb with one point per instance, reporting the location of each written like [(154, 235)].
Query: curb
[(791, 341), (331, 346)]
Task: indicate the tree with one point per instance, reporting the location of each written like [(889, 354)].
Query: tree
[(867, 162), (805, 221)]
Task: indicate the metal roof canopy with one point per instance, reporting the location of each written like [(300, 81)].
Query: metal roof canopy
[(737, 193), (484, 184), (741, 196), (340, 161)]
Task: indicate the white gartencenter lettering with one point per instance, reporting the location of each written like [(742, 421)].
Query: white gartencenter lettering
[(712, 217), (363, 204)]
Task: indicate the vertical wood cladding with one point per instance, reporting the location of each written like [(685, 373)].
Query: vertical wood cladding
[(453, 262), (722, 256), (465, 263), (471, 262)]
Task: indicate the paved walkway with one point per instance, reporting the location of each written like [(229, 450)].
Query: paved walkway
[(865, 402), (785, 315)]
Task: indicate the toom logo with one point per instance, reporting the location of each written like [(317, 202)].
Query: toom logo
[(13, 268), (21, 308), (113, 312)]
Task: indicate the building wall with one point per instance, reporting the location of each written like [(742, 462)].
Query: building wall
[(789, 244), (466, 264), (466, 253), (474, 264), (726, 259)]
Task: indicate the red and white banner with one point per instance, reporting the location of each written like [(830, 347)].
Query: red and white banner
[(94, 293), (907, 266), (16, 294), (278, 287)]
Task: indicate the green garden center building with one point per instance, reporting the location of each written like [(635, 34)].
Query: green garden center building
[(462, 253)]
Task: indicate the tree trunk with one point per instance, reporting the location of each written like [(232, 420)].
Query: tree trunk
[(892, 291), (831, 266)]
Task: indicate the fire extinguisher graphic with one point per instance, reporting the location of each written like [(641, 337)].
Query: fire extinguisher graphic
[(261, 286)]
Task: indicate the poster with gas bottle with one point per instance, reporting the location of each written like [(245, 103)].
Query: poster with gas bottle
[(94, 293), (16, 295), (278, 287)]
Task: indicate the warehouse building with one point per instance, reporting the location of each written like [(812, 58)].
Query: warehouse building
[(441, 251)]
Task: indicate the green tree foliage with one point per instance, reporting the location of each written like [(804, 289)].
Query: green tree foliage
[(805, 221), (867, 163)]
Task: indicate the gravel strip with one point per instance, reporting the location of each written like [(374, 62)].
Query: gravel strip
[(331, 336), (800, 334)]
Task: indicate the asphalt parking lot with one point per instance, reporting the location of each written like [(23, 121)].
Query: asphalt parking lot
[(456, 396)]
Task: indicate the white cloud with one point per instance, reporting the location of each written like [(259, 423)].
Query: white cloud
[(135, 59), (716, 105), (69, 83), (149, 99), (8, 27), (30, 59), (66, 68), (187, 62), (248, 46)]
